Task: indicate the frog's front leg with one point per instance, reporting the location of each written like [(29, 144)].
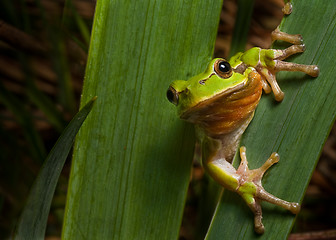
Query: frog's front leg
[(271, 62)]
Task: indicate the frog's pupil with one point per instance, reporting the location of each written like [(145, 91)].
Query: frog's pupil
[(224, 67)]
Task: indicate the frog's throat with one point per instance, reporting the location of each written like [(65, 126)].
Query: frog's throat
[(226, 112), (223, 146)]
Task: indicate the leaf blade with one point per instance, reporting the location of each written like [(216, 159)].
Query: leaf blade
[(296, 128), (135, 175), (33, 221)]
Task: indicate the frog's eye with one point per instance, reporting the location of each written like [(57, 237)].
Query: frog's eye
[(172, 95), (223, 68)]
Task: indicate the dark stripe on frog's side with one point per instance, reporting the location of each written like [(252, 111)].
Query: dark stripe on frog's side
[(240, 68), (203, 80)]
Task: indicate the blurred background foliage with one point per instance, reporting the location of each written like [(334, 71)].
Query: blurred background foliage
[(43, 51)]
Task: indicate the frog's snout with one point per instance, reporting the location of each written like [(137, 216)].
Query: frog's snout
[(173, 95)]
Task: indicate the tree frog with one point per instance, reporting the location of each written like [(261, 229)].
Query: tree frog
[(221, 103)]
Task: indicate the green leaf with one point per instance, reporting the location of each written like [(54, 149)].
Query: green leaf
[(33, 221), (132, 158), (295, 128)]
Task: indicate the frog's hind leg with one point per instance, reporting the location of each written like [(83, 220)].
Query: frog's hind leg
[(254, 204), (253, 192), (256, 176), (251, 201)]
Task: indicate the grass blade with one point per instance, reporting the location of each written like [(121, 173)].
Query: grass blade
[(242, 26), (33, 221)]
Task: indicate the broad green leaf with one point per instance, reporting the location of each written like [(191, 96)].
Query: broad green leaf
[(295, 128), (33, 221), (132, 158)]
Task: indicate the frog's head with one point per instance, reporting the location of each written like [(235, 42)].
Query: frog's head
[(218, 79)]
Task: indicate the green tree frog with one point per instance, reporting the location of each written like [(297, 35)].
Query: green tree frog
[(221, 103)]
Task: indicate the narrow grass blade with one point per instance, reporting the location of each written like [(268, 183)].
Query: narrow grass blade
[(33, 221), (72, 17), (295, 128), (242, 26)]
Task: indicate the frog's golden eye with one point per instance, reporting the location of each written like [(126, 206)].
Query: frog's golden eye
[(172, 95), (223, 68)]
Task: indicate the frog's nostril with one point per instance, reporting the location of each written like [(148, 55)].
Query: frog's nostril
[(172, 95)]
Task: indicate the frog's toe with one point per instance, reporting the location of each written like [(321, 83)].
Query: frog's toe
[(294, 207), (311, 70), (274, 158), (287, 9), (263, 195), (255, 175), (285, 53), (258, 226), (255, 206), (314, 70), (302, 47), (283, 36)]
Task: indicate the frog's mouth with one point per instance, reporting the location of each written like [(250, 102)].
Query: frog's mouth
[(193, 112), (227, 109), (246, 88)]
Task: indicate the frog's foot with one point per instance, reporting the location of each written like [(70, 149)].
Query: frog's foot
[(253, 193), (273, 63), (287, 9), (279, 55)]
